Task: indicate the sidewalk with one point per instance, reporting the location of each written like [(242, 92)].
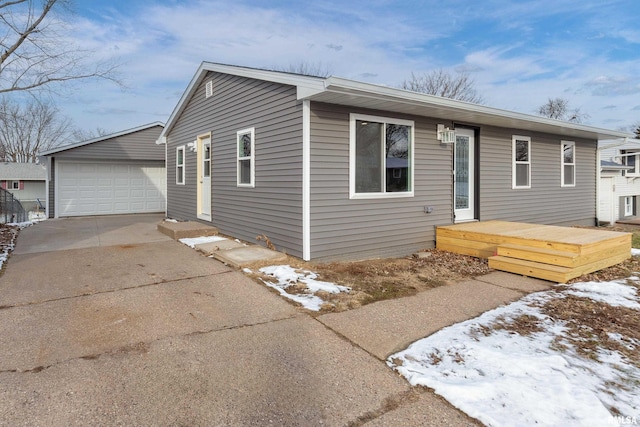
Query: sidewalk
[(386, 327)]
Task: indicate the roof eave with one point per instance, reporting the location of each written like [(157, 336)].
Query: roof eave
[(365, 95)]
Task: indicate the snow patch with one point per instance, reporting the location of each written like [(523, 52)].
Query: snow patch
[(504, 378), (286, 276), (193, 241)]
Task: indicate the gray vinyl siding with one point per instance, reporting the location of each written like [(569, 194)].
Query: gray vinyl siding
[(358, 229), (137, 146), (546, 202), (274, 206), (355, 229)]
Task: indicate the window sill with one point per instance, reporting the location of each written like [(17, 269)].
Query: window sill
[(374, 196)]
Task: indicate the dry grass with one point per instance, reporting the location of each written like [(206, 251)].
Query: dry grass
[(381, 279)]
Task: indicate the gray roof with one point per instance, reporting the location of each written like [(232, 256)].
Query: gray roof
[(335, 90), (607, 165), (22, 172)]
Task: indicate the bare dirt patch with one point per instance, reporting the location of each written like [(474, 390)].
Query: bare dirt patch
[(381, 279)]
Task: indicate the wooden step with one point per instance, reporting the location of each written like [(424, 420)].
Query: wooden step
[(553, 273), (545, 256), (539, 270)]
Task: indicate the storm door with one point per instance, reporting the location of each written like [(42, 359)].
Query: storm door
[(464, 175)]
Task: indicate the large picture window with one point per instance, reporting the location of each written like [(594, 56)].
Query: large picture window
[(568, 160), (180, 165), (521, 168), (381, 157), (246, 158)]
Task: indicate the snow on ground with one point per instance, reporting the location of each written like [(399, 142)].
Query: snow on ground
[(193, 241), (286, 276), (503, 378)]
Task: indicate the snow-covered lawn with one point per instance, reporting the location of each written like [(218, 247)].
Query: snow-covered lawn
[(548, 374)]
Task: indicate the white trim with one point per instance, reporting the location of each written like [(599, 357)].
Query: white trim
[(184, 165), (352, 156), (469, 213), (306, 180), (627, 211), (251, 158), (563, 164), (515, 138)]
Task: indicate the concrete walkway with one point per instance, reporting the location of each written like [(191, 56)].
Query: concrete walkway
[(105, 321)]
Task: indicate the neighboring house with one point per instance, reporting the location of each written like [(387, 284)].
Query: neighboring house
[(120, 173), (26, 181), (619, 192), (331, 168)]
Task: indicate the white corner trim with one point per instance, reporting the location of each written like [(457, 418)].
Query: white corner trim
[(306, 180)]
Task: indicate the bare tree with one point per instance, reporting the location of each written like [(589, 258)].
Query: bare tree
[(558, 108), (635, 128), (34, 53), (305, 69), (442, 83), (29, 128), (80, 135)]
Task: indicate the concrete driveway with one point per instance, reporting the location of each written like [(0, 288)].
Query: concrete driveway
[(105, 321)]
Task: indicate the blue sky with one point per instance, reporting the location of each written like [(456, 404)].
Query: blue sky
[(519, 53)]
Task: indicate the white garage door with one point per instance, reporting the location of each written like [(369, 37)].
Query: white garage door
[(84, 188)]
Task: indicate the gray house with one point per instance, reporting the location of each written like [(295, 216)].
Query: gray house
[(332, 168), (26, 181), (120, 173)]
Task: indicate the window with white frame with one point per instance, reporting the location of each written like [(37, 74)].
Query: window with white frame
[(521, 169), (568, 162), (246, 158), (632, 159), (180, 169), (15, 185), (381, 157)]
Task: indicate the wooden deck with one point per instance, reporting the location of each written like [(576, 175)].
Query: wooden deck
[(546, 252)]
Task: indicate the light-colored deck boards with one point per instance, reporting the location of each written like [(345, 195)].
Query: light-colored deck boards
[(543, 251)]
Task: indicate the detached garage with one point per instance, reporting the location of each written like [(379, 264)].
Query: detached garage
[(121, 173)]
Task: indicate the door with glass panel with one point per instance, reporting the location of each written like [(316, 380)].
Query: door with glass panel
[(204, 178), (464, 175)]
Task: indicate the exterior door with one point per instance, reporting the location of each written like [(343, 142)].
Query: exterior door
[(464, 175), (204, 178)]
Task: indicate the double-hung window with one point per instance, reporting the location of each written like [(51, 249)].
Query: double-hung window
[(180, 169), (381, 157), (568, 159), (246, 157), (521, 168)]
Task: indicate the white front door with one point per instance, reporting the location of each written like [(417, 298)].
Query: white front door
[(463, 175), (204, 178)]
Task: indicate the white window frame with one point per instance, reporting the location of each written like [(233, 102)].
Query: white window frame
[(636, 157), (353, 117), (515, 138), (628, 206), (15, 185), (563, 163), (181, 176), (251, 158)]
